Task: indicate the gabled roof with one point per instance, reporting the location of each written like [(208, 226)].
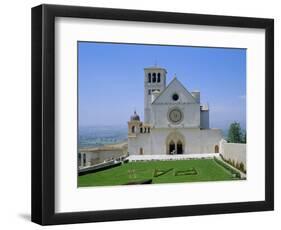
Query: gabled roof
[(175, 86)]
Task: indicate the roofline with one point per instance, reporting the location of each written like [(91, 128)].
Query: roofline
[(175, 78), (147, 68), (164, 90)]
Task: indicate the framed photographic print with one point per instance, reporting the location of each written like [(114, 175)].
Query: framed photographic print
[(144, 114)]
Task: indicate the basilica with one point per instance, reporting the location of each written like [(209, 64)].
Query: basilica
[(175, 121)]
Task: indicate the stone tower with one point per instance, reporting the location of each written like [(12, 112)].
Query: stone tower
[(154, 80)]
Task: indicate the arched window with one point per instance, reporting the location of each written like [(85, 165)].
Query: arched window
[(158, 77), (133, 129), (179, 148), (149, 77), (172, 147), (141, 151), (154, 77)]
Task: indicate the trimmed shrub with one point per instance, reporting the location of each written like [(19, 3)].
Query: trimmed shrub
[(240, 166)]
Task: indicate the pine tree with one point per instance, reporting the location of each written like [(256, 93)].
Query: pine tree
[(235, 134), (244, 137)]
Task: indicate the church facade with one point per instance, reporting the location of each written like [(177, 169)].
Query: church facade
[(175, 121)]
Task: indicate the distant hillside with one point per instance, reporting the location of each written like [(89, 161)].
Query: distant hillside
[(95, 136)]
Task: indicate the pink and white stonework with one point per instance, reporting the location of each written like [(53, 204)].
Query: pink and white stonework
[(175, 121)]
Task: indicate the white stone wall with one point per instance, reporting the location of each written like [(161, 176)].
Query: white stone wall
[(142, 140), (204, 119), (173, 157), (87, 157), (191, 115), (150, 86), (156, 114), (100, 156), (234, 151), (196, 95), (195, 141), (175, 87)]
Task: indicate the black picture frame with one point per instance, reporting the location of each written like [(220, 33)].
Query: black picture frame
[(43, 114)]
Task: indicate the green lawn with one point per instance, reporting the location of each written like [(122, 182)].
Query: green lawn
[(159, 171)]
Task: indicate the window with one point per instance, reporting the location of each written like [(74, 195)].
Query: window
[(79, 159), (148, 130), (84, 159), (154, 77), (179, 147), (149, 77), (172, 147), (158, 77), (141, 129), (133, 129), (149, 91), (175, 96)]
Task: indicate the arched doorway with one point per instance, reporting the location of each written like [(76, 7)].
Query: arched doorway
[(179, 147), (175, 143), (216, 149), (141, 151), (172, 147)]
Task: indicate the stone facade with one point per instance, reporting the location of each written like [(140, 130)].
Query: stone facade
[(175, 122)]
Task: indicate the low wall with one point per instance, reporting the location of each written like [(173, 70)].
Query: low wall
[(234, 151), (172, 157), (100, 156), (98, 167)]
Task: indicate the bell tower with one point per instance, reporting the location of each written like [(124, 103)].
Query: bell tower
[(154, 80)]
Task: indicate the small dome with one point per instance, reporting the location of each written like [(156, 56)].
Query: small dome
[(135, 117)]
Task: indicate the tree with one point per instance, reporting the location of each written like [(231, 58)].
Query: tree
[(235, 134), (244, 137)]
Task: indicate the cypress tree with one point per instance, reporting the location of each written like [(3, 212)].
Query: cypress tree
[(235, 133)]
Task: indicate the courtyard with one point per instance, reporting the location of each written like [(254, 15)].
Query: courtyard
[(169, 171)]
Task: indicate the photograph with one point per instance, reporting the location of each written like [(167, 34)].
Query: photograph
[(148, 113), (154, 114)]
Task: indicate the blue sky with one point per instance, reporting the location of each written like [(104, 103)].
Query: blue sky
[(111, 80)]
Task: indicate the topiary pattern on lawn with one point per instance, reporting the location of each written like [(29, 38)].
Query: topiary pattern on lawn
[(161, 172), (187, 172)]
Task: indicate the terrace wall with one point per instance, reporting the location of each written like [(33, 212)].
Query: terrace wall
[(234, 151)]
